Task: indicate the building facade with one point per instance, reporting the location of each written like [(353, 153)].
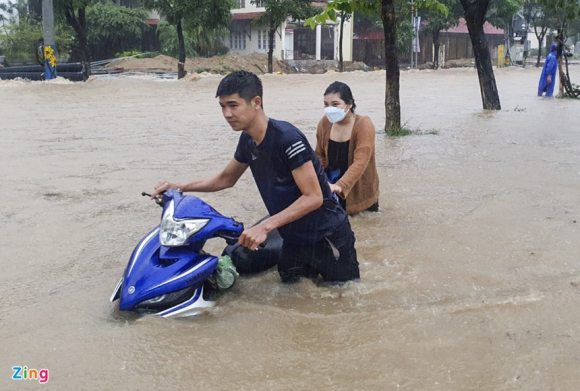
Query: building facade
[(292, 40)]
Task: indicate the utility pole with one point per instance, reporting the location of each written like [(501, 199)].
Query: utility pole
[(416, 38), (412, 24), (49, 49)]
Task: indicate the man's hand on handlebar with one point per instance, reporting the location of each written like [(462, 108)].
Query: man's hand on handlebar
[(253, 237), (162, 187)]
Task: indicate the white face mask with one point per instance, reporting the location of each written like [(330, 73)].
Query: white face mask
[(334, 114)]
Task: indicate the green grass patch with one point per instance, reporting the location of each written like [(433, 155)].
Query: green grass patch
[(404, 130), (398, 131)]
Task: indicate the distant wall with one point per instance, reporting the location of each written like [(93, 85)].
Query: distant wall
[(457, 46)]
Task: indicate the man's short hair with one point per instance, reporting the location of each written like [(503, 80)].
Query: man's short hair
[(246, 84)]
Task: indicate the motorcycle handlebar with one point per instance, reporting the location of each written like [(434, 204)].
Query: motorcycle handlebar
[(233, 240), (158, 198)]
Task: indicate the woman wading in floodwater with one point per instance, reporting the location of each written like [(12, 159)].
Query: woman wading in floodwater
[(345, 145)]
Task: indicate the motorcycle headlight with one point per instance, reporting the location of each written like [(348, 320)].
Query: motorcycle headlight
[(155, 300), (175, 232), (169, 299)]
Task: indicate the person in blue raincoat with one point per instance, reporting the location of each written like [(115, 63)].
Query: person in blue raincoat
[(548, 78)]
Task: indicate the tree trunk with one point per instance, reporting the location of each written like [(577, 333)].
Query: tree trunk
[(84, 43), (181, 63), (392, 101), (540, 37), (271, 33), (340, 57), (475, 18), (436, 44), (540, 43), (79, 25), (561, 39)]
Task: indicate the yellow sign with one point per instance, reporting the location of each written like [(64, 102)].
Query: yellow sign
[(500, 56)]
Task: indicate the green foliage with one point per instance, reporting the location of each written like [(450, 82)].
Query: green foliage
[(565, 9), (199, 40), (207, 41), (446, 11), (23, 35), (169, 41), (112, 29), (574, 29), (404, 36), (566, 14), (441, 19), (131, 53), (278, 10), (501, 12), (398, 131), (201, 23), (331, 12), (538, 16), (373, 8), (209, 13)]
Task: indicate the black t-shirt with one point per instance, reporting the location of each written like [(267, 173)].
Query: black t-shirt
[(338, 156), (283, 150)]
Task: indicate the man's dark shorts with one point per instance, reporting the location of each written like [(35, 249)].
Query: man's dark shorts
[(321, 258)]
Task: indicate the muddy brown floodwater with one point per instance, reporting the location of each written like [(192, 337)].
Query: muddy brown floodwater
[(470, 271)]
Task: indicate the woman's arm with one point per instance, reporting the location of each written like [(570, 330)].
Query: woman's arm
[(320, 144), (363, 150)]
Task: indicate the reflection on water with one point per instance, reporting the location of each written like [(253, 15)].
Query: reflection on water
[(469, 271)]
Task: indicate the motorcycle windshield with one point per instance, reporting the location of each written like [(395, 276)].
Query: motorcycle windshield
[(191, 207)]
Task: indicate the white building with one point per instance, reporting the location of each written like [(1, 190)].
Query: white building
[(292, 40)]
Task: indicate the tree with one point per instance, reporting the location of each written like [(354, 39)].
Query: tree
[(75, 14), (501, 12), (170, 42), (23, 33), (277, 11), (475, 12), (438, 21), (112, 29), (563, 11), (536, 15), (209, 13), (207, 41), (392, 99)]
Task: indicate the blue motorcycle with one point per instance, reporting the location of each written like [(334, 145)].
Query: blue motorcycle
[(170, 275)]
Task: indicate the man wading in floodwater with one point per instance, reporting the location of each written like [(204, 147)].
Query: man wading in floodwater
[(317, 236)]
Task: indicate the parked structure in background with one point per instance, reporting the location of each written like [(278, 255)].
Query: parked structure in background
[(293, 41)]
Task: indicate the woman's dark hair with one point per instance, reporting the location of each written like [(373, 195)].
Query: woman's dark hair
[(246, 84), (345, 93)]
